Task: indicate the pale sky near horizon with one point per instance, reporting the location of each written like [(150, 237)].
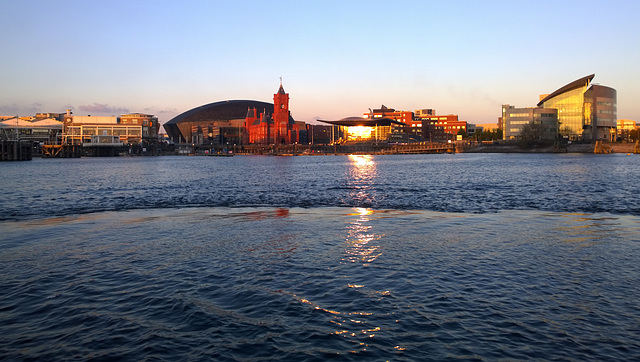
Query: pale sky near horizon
[(337, 58)]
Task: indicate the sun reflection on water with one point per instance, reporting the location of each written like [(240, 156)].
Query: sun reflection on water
[(361, 178), (359, 246)]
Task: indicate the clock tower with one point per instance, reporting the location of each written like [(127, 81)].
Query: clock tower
[(281, 116)]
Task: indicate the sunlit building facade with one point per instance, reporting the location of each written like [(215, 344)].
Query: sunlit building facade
[(45, 130), (239, 122), (441, 128), (624, 127), (386, 112), (149, 123), (131, 128), (585, 111), (514, 119), (406, 117), (276, 128), (360, 129)]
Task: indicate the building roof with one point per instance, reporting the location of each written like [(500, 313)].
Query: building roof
[(223, 110), (217, 111), (368, 122), (46, 123), (584, 81)]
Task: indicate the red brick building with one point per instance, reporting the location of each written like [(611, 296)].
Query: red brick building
[(434, 127), (385, 112), (278, 128)]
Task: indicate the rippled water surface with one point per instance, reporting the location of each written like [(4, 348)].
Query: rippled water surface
[(425, 257), (450, 183)]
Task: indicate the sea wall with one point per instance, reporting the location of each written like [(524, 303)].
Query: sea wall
[(570, 148)]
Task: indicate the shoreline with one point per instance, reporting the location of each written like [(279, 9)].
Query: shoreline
[(571, 148)]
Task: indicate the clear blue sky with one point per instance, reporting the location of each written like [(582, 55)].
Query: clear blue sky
[(337, 58)]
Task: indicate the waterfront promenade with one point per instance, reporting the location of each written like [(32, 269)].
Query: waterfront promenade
[(569, 148), (409, 148), (11, 152)]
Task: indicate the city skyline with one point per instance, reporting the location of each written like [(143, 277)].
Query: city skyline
[(336, 59)]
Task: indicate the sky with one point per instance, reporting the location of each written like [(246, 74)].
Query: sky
[(336, 58)]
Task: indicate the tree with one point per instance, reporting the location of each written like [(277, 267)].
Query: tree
[(565, 131), (492, 135), (532, 133)]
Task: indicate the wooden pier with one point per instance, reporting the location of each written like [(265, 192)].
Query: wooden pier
[(60, 151), (16, 150), (424, 147)]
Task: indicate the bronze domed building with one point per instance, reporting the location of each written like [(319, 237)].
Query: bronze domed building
[(215, 123), (232, 121)]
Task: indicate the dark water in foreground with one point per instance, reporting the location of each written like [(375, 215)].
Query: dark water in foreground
[(308, 258)]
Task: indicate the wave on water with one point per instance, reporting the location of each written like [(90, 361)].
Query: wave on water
[(447, 183)]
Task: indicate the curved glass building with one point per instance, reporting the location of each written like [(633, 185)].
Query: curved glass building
[(585, 111)]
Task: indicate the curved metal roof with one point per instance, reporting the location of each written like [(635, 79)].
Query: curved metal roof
[(368, 122), (214, 112), (224, 110), (573, 85)]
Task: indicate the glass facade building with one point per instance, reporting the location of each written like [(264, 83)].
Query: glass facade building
[(585, 111), (600, 113)]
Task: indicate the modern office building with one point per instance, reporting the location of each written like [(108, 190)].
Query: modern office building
[(514, 120), (585, 111)]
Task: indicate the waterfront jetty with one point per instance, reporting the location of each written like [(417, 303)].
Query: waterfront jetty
[(60, 151), (372, 148), (14, 150)]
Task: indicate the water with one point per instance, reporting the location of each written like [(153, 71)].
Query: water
[(424, 257)]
